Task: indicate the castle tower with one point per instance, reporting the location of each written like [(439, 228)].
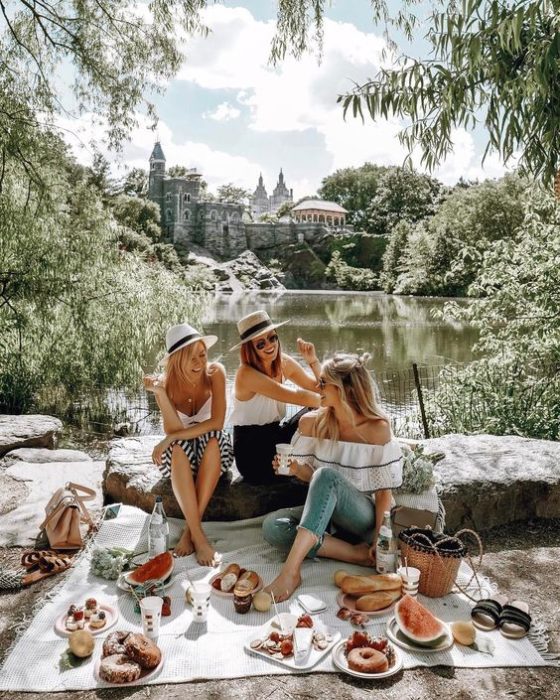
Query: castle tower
[(156, 176), (280, 195), (259, 199)]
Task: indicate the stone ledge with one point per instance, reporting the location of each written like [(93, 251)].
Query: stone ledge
[(484, 481), (487, 480), (28, 431), (131, 478)]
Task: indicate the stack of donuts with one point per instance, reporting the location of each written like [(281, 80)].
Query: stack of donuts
[(126, 655)]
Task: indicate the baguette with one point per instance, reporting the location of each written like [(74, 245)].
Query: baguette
[(229, 577), (377, 601), (362, 585), (339, 576), (251, 577)]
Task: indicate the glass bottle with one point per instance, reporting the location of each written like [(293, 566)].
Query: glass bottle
[(386, 547), (158, 531)]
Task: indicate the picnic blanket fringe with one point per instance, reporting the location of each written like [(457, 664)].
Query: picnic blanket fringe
[(539, 637)]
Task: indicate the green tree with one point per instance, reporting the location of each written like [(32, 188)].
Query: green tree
[(140, 215), (232, 193), (135, 183), (347, 277), (398, 242), (177, 171), (353, 189), (285, 209)]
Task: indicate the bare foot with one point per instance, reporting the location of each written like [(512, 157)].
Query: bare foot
[(184, 546), (362, 555), (283, 585), (205, 553)]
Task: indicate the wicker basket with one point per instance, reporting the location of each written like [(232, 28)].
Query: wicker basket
[(438, 557)]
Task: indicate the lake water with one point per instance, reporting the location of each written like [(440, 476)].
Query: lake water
[(397, 331)]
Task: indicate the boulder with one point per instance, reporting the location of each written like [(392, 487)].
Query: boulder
[(131, 478), (28, 431), (42, 455), (486, 480)]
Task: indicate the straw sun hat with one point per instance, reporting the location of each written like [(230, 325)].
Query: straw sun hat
[(253, 325), (183, 334)]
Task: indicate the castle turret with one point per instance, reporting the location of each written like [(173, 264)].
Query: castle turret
[(259, 199), (156, 176), (280, 194)]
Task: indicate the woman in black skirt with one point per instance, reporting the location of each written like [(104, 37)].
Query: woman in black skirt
[(260, 396)]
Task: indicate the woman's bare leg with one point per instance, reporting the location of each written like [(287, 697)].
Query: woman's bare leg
[(206, 481), (289, 577), (185, 492)]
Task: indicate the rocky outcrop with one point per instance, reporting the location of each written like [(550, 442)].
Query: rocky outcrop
[(28, 431), (485, 480), (131, 478), (244, 272), (42, 455)]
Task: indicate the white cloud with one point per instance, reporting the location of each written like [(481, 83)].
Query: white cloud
[(224, 112)]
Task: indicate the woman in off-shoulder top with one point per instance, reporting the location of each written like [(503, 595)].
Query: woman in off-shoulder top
[(191, 395), (346, 452)]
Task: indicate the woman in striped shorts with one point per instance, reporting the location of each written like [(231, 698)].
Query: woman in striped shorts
[(191, 395)]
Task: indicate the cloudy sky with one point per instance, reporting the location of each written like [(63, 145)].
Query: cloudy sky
[(231, 115)]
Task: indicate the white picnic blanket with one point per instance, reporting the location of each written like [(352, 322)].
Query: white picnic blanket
[(216, 649)]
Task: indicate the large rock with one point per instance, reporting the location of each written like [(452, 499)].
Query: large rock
[(28, 431), (131, 478), (487, 480), (42, 455)]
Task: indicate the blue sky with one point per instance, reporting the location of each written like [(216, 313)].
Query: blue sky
[(231, 115)]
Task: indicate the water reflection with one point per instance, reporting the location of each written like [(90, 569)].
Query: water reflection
[(396, 330)]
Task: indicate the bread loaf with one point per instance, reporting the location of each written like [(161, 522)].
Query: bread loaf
[(251, 577), (377, 601), (339, 576), (362, 585), (229, 577)]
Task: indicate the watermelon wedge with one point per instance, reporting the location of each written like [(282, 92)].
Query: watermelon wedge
[(158, 569), (417, 623)]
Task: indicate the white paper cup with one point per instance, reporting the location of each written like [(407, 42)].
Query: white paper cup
[(410, 577), (284, 452), (150, 608), (200, 596)]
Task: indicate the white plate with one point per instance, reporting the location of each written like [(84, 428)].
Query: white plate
[(126, 574), (348, 601), (144, 676), (229, 594), (111, 614), (315, 655), (340, 660), (396, 636), (125, 586)]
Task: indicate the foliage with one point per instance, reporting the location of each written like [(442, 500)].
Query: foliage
[(140, 215), (231, 193), (347, 277), (75, 311), (177, 171), (418, 469), (360, 249), (378, 197), (135, 183), (499, 396), (285, 209), (442, 255)]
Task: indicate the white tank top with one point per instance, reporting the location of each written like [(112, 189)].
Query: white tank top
[(204, 413), (260, 410)]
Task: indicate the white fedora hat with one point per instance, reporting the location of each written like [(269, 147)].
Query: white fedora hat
[(184, 334), (253, 325)]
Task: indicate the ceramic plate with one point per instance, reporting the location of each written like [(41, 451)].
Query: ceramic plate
[(396, 636), (229, 594), (124, 586), (341, 662), (288, 622), (111, 613), (349, 601), (144, 676)]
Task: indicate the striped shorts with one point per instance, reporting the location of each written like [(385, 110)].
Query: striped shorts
[(194, 449)]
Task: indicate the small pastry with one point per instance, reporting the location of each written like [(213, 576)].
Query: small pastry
[(90, 608), (98, 619), (71, 610), (78, 614), (71, 624)]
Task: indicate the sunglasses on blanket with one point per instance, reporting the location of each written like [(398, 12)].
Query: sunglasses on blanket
[(261, 344)]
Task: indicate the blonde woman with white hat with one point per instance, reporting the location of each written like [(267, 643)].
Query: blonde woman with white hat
[(191, 395), (260, 395)]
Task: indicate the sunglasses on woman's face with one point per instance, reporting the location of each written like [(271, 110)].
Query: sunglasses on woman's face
[(322, 383), (261, 344)]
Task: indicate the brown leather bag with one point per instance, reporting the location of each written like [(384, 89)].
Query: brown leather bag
[(64, 512)]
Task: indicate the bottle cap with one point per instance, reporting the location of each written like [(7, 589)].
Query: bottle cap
[(159, 499)]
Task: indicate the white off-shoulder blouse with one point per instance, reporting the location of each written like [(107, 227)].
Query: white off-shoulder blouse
[(369, 468)]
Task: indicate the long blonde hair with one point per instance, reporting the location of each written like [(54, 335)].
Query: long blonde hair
[(175, 374), (358, 392)]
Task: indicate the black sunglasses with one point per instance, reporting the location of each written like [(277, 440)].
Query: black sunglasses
[(261, 344), (322, 383)]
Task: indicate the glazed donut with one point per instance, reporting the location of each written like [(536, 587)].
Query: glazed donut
[(142, 650), (367, 660), (118, 668), (114, 644)]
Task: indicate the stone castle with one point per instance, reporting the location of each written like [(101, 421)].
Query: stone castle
[(225, 229)]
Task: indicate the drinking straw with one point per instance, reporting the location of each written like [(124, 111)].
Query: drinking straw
[(406, 566), (277, 613)]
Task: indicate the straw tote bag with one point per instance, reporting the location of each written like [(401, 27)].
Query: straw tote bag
[(64, 513)]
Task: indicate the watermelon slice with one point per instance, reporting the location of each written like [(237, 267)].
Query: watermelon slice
[(417, 623), (158, 569)]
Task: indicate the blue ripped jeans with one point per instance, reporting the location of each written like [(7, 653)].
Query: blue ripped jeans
[(331, 499)]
